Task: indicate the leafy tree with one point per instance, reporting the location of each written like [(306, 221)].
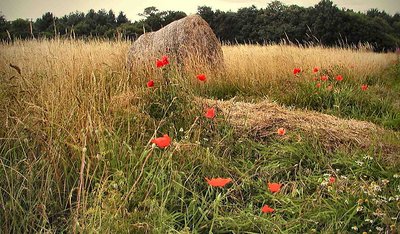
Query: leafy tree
[(121, 19), (323, 23), (45, 23), (4, 26), (20, 28)]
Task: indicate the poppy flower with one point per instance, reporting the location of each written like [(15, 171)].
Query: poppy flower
[(318, 85), (274, 187), (332, 180), (150, 83), (159, 63), (218, 182), (315, 70), (164, 61), (267, 209), (315, 78), (329, 87), (281, 131), (324, 78), (364, 87), (201, 77), (162, 142), (339, 77), (210, 113), (296, 71)]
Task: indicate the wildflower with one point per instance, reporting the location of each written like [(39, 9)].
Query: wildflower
[(367, 157), (359, 163), (339, 77), (161, 63), (360, 208), (324, 78), (281, 131), (201, 77), (296, 71), (385, 182), (369, 220), (274, 187), (164, 60), (332, 180), (364, 87), (324, 183), (329, 87), (218, 182), (316, 69), (315, 78), (355, 228), (150, 83), (210, 113), (318, 85), (379, 229), (267, 209), (162, 142)]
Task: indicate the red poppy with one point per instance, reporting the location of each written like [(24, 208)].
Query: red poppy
[(329, 87), (318, 85), (267, 209), (296, 71), (164, 61), (332, 180), (274, 187), (339, 77), (150, 83), (210, 113), (315, 78), (218, 182), (281, 131), (159, 63), (162, 142), (201, 77), (324, 78), (364, 87), (315, 70)]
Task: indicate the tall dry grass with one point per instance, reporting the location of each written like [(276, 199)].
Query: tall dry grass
[(71, 95), (256, 65)]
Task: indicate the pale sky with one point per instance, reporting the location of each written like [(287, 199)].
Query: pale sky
[(32, 9)]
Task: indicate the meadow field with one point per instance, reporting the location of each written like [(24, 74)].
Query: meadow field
[(288, 139)]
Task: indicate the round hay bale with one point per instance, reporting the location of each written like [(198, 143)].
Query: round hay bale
[(188, 42)]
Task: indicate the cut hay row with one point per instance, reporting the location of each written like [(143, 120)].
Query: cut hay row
[(261, 120)]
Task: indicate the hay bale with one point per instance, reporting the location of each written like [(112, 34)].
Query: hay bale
[(188, 41)]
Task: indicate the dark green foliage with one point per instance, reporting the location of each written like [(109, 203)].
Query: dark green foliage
[(323, 24)]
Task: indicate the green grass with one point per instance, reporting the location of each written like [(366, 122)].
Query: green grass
[(131, 186)]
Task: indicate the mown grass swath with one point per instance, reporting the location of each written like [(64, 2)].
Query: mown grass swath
[(77, 125)]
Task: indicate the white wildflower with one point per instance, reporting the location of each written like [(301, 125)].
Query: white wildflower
[(367, 157), (359, 163)]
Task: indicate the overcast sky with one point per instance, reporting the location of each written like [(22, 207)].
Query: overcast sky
[(32, 9)]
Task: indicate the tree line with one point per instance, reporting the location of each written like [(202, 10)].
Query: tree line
[(323, 23)]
